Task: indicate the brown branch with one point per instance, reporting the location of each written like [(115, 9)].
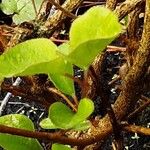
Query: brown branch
[(55, 137), (133, 81), (62, 9), (111, 4), (138, 110), (64, 97), (50, 25), (132, 37), (17, 91), (53, 23), (58, 137), (137, 129), (126, 7)]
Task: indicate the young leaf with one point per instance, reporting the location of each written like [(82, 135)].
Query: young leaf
[(47, 124), (24, 55), (38, 56), (85, 108), (13, 142), (60, 115), (62, 82), (64, 118), (90, 34), (60, 147), (82, 126)]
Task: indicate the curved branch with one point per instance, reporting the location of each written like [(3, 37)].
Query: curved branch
[(126, 7)]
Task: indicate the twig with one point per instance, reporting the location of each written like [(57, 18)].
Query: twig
[(69, 14), (40, 7), (8, 95), (63, 96), (58, 40), (138, 110), (34, 6), (21, 92), (145, 98), (111, 4), (75, 100), (136, 129), (58, 137), (111, 48), (90, 4), (114, 80)]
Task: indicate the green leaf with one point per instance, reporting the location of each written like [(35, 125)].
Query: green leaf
[(60, 115), (85, 108), (64, 49), (26, 10), (60, 147), (9, 6), (62, 82), (47, 124), (18, 60), (13, 142), (90, 34), (38, 56), (64, 118), (23, 10), (82, 126)]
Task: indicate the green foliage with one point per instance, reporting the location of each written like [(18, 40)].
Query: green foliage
[(23, 10), (13, 142), (61, 116), (98, 27), (26, 58), (9, 6), (91, 33), (60, 147), (34, 57)]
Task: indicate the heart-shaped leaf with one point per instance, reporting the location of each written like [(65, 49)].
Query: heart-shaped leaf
[(90, 34), (63, 117), (13, 142)]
